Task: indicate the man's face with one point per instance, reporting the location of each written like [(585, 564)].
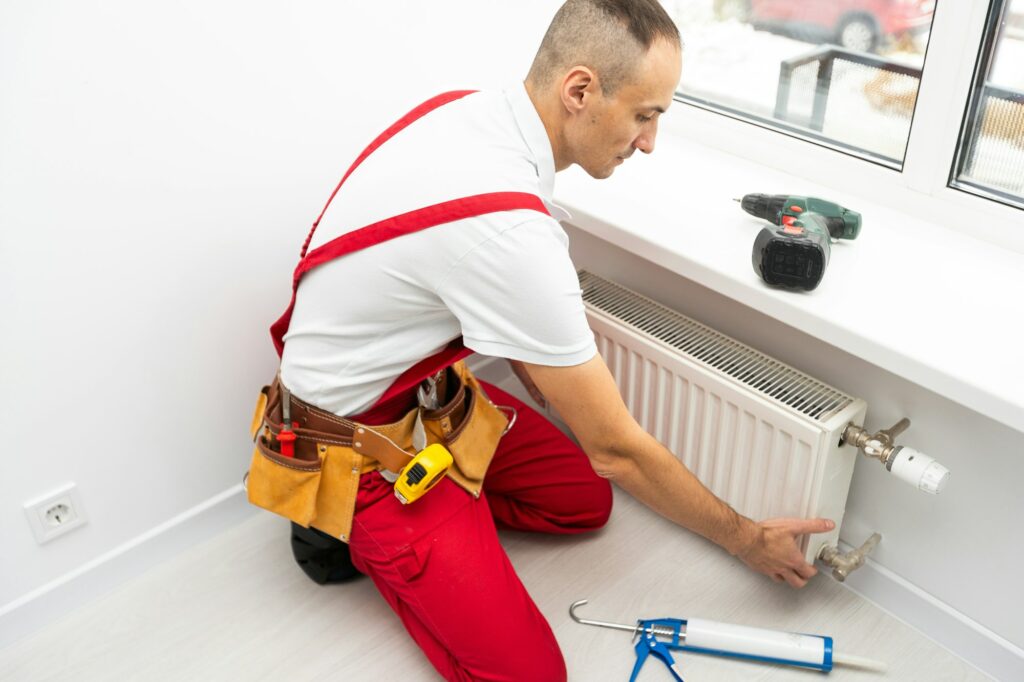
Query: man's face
[(610, 129)]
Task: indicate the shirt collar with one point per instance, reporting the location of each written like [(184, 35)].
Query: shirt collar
[(536, 137)]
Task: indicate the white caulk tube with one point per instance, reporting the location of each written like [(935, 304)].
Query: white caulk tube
[(770, 646), (725, 639)]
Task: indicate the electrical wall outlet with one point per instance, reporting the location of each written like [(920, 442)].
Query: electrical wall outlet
[(55, 513)]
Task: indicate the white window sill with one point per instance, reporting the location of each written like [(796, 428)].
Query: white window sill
[(937, 307)]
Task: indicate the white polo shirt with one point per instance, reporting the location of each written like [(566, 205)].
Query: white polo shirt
[(504, 281)]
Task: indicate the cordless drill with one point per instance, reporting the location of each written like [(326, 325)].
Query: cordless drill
[(795, 252)]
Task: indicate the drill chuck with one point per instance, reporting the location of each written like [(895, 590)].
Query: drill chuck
[(766, 206)]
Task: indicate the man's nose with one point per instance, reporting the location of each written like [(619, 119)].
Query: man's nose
[(645, 141)]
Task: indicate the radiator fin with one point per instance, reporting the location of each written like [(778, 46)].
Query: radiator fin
[(787, 387)]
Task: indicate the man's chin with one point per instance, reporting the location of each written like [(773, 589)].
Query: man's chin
[(600, 173)]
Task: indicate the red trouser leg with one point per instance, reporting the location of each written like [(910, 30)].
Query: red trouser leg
[(540, 480), (439, 564)]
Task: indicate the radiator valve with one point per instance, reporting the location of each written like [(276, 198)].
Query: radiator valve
[(842, 564), (906, 464)]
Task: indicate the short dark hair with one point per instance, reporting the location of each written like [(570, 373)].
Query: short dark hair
[(608, 36)]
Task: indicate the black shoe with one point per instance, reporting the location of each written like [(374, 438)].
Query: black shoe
[(323, 558)]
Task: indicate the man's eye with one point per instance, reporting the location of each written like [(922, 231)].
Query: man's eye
[(643, 119)]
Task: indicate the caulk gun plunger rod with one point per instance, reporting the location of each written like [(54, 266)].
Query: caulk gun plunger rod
[(600, 623), (665, 632)]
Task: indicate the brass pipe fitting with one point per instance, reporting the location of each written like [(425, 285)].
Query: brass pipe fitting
[(881, 445), (842, 564)]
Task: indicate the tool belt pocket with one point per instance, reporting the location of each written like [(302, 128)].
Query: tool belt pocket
[(284, 485), (469, 425)]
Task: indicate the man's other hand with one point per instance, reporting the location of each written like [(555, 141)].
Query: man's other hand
[(775, 553), (527, 382)]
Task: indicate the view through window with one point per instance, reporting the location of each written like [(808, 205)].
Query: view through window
[(844, 72), (991, 157)]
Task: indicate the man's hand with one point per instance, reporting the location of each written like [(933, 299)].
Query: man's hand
[(524, 377), (774, 551)]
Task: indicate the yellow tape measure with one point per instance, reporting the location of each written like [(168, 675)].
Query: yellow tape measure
[(422, 473)]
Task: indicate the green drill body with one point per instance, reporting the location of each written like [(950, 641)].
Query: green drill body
[(842, 223), (795, 252)]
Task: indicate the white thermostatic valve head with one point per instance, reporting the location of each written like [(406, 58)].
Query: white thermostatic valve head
[(918, 469)]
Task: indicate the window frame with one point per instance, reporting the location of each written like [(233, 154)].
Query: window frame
[(998, 9), (923, 186)]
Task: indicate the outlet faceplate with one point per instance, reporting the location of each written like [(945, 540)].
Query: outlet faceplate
[(56, 513)]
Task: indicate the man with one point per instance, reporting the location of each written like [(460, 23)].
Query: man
[(494, 268)]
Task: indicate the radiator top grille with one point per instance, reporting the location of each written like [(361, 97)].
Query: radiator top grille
[(777, 381)]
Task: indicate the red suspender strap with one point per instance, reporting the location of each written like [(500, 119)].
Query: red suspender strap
[(414, 221), (396, 226), (280, 328), (395, 400), (396, 127)]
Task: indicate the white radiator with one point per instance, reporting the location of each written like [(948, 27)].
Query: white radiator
[(760, 434)]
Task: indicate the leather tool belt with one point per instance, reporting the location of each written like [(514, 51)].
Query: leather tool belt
[(317, 486)]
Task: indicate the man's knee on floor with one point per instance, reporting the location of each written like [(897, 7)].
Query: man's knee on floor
[(524, 653), (552, 668), (543, 666)]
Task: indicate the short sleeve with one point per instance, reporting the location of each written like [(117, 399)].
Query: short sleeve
[(517, 296)]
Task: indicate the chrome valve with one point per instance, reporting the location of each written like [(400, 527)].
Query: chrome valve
[(907, 464)]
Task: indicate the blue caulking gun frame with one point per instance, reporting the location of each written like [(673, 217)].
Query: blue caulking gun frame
[(734, 641)]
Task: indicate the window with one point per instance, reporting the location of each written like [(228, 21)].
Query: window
[(843, 73), (990, 155)]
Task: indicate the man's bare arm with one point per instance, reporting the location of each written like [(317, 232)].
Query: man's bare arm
[(588, 400)]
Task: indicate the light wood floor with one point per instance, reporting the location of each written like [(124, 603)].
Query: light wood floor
[(237, 608)]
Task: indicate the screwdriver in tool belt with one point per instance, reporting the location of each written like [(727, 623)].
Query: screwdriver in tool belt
[(286, 437)]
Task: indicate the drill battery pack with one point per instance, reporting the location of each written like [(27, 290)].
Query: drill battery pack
[(785, 257)]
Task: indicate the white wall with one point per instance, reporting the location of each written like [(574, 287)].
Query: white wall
[(161, 164)]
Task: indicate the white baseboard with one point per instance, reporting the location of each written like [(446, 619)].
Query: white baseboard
[(48, 603), (935, 619)]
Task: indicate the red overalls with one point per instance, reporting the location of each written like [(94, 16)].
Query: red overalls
[(438, 562)]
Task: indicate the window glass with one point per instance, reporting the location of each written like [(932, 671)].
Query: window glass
[(991, 153), (841, 72)]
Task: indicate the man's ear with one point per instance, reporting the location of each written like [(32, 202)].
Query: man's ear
[(578, 86)]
